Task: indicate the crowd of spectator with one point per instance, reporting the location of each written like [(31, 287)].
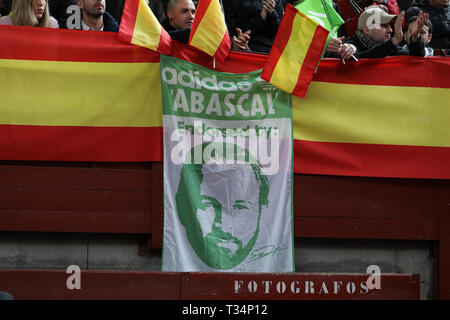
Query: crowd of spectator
[(424, 29)]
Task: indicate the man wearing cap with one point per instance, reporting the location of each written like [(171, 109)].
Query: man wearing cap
[(350, 10), (374, 38)]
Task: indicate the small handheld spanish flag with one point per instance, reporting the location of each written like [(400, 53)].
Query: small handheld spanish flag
[(295, 53), (139, 26), (209, 31)]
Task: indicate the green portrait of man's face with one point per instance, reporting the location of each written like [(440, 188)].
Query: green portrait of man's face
[(220, 206)]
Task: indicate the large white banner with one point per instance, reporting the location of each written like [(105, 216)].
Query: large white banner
[(227, 171)]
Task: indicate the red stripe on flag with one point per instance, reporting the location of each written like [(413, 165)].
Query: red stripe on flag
[(29, 43), (417, 72), (65, 143), (165, 43), (280, 42), (128, 21), (224, 48), (200, 12), (373, 160), (145, 144), (311, 61), (237, 62)]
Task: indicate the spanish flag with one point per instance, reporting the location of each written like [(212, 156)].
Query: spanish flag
[(295, 53), (209, 31), (374, 118), (139, 26)]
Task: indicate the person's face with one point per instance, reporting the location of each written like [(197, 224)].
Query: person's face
[(94, 8), (379, 34), (229, 209), (182, 15), (424, 34), (38, 7)]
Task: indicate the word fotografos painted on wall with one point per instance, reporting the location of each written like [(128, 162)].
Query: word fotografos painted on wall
[(307, 287)]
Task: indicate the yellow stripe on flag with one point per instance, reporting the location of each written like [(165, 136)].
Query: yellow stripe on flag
[(147, 30), (54, 93), (211, 30), (287, 70), (371, 114)]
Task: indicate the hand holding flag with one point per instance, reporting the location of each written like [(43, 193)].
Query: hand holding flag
[(295, 53)]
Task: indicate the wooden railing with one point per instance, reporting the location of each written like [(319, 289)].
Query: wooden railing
[(128, 198)]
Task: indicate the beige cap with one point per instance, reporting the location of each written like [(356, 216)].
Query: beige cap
[(373, 15)]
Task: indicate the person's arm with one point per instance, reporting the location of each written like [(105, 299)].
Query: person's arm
[(273, 19), (337, 49), (379, 51), (398, 29), (416, 46)]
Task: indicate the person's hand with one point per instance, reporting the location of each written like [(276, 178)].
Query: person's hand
[(268, 7), (346, 51), (398, 31), (334, 44), (417, 25), (241, 41)]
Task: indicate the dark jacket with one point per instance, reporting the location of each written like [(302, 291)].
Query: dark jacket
[(441, 23), (181, 35), (158, 10), (246, 15), (381, 50), (109, 23)]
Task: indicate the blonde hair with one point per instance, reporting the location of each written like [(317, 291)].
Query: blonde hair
[(22, 14)]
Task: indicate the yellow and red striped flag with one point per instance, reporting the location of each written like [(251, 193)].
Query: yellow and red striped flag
[(209, 31), (139, 26), (389, 129), (295, 53)]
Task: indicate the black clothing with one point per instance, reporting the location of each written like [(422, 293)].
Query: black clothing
[(365, 48), (5, 7), (440, 20), (157, 8), (379, 50), (58, 7), (384, 49), (181, 35), (246, 15), (285, 2)]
